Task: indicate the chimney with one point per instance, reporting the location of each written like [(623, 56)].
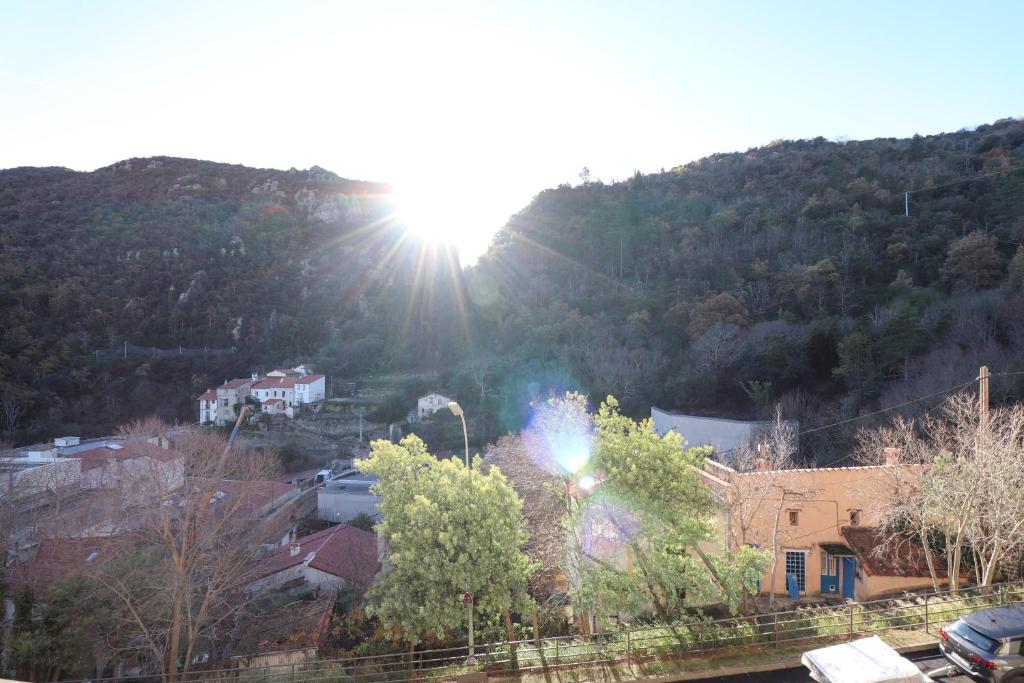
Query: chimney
[(892, 455), (294, 550)]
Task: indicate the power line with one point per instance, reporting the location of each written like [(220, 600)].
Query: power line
[(887, 409), (883, 410), (964, 179), (895, 407), (958, 181)]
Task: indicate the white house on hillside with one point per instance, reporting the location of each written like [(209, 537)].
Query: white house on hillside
[(293, 392), (430, 404), (220, 405), (282, 391)]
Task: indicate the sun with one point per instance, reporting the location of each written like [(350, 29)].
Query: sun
[(429, 216), (462, 219)]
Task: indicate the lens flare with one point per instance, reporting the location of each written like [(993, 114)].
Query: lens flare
[(606, 528), (559, 438)]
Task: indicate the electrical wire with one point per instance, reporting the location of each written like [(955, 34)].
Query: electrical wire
[(964, 179), (890, 408), (887, 409)]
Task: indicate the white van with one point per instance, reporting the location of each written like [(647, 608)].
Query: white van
[(868, 660)]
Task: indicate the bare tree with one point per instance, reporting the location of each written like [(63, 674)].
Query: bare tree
[(543, 505), (180, 570), (969, 495), (907, 505), (762, 488), (10, 413)]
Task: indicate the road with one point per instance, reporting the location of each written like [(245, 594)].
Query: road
[(926, 661)]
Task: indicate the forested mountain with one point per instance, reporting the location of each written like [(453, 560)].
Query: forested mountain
[(789, 273), (259, 266), (786, 274)]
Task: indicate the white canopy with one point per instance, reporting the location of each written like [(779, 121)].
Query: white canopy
[(868, 660)]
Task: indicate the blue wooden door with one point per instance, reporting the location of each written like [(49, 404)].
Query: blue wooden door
[(849, 574), (829, 574), (792, 586)]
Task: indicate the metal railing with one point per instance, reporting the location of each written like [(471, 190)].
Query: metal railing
[(699, 638)]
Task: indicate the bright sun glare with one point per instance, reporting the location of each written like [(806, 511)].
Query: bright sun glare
[(466, 219)]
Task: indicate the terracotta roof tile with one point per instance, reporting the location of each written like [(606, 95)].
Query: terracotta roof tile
[(54, 560), (906, 559), (275, 383), (343, 551)]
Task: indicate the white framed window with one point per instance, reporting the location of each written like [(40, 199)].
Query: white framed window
[(796, 564)]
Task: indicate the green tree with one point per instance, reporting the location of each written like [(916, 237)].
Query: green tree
[(362, 521), (641, 535), (973, 261), (449, 530), (721, 308), (72, 634), (1015, 275)]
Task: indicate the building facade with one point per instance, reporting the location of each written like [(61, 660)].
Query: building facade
[(430, 404), (282, 391), (822, 525)]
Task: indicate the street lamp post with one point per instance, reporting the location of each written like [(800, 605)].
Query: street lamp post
[(457, 411), (467, 597)]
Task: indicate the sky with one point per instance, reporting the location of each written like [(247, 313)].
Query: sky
[(471, 108)]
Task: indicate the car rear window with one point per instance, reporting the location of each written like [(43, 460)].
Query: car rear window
[(978, 640)]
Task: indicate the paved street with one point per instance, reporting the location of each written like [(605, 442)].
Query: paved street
[(926, 661)]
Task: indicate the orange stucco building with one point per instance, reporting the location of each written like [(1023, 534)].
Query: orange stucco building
[(822, 522)]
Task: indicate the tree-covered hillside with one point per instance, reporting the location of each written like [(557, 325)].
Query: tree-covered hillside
[(170, 253), (786, 274)]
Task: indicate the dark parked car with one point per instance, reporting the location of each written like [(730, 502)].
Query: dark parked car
[(987, 644)]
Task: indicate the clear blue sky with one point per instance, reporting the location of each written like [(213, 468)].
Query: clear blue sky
[(473, 107)]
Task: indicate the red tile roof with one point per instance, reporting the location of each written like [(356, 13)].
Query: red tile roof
[(129, 450), (905, 559), (55, 559), (308, 379), (275, 383), (235, 383), (343, 551), (210, 395), (270, 401)]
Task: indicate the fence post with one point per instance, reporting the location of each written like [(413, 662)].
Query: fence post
[(926, 614), (558, 648), (851, 619), (775, 626), (291, 673), (629, 645)]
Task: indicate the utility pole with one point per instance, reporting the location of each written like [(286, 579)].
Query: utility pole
[(983, 394)]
